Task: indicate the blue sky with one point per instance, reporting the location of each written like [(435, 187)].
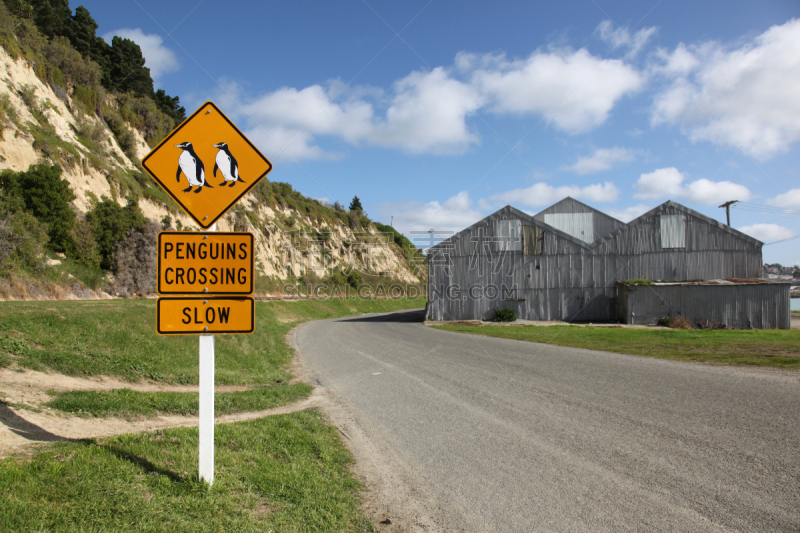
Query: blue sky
[(438, 112)]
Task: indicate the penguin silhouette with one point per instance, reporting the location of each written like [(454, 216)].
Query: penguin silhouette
[(227, 164), (192, 167)]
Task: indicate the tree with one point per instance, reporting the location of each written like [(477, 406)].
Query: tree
[(52, 16), (47, 197), (355, 205), (171, 105), (128, 72)]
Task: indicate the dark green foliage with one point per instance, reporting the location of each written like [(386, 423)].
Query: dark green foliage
[(128, 72), (52, 16), (47, 197), (355, 204), (171, 105), (354, 279), (82, 246), (110, 224), (504, 315), (663, 321)]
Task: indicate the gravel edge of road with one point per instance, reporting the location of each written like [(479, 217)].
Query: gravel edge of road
[(391, 490)]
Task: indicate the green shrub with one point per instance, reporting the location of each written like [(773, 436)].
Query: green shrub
[(663, 321), (110, 224), (22, 241), (504, 315), (82, 247), (354, 279), (47, 196), (70, 64), (90, 97)]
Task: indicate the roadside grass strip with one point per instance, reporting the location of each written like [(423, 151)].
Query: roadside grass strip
[(279, 473), (117, 338), (773, 348), (125, 403)]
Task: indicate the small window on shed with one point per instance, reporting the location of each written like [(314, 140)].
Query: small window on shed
[(673, 231), (508, 236), (532, 240)]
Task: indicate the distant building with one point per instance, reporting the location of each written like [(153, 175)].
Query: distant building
[(564, 263)]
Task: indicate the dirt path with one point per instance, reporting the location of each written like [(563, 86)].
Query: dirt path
[(20, 428), (30, 387)]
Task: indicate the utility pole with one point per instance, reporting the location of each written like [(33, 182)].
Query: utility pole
[(727, 206), (392, 222)]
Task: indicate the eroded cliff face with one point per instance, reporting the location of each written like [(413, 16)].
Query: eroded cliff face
[(282, 250)]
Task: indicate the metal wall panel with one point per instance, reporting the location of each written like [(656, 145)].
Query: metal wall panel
[(673, 231), (737, 305), (579, 225)]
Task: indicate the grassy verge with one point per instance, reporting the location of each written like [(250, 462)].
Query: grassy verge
[(117, 338), (125, 403), (776, 348), (281, 473)]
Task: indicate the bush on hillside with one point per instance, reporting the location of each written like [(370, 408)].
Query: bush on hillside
[(110, 223), (22, 241), (83, 248), (47, 197)]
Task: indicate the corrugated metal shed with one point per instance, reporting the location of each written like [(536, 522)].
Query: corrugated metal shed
[(512, 259), (744, 304)]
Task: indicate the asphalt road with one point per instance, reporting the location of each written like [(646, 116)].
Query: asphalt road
[(517, 436)]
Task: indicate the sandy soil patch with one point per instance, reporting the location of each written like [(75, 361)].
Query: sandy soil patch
[(21, 429), (30, 387)]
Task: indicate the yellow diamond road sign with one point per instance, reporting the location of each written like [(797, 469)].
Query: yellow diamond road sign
[(206, 164)]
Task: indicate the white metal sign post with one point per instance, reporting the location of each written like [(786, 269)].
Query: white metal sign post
[(206, 423)]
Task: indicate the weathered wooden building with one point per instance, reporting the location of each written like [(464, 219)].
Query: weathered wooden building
[(564, 262)]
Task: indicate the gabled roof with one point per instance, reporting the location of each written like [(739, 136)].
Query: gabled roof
[(588, 207), (687, 210), (509, 210)]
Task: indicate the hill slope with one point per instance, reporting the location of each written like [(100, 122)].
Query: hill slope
[(297, 239)]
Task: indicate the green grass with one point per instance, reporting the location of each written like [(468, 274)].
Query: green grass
[(776, 348), (280, 473), (125, 403), (94, 278), (118, 338)]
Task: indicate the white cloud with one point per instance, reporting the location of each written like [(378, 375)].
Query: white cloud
[(787, 199), (622, 38), (541, 194), (453, 215), (159, 59), (626, 214), (744, 97), (428, 111), (573, 90), (668, 183), (664, 182), (602, 159), (767, 232), (711, 192), (428, 114)]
